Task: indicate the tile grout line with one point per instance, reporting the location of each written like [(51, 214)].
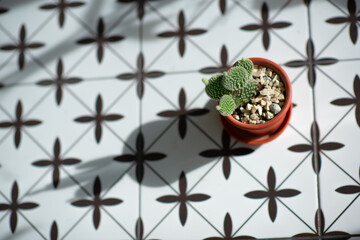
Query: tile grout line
[(336, 6), (38, 102), (199, 13), (298, 76), (77, 140), (279, 11), (332, 40), (162, 179), (167, 47), (42, 25), (31, 224), (117, 180), (287, 43), (81, 59), (118, 137), (120, 19), (161, 16), (204, 132), (161, 134), (7, 33), (107, 45), (256, 35), (201, 50), (248, 219), (117, 222), (37, 143), (77, 182), (141, 72), (81, 22), (342, 213), (119, 97), (6, 62), (75, 224), (161, 94), (302, 135), (35, 184), (4, 216), (315, 145), (246, 10)]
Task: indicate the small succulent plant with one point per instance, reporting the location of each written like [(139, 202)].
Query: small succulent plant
[(233, 88)]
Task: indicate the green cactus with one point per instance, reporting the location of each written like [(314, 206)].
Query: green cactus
[(233, 88), (226, 106), (245, 63), (243, 96), (213, 88), (235, 79)]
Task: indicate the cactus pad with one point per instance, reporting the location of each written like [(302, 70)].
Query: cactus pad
[(213, 88), (245, 63), (227, 105), (244, 95), (235, 79)]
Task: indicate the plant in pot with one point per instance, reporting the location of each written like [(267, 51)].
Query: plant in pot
[(254, 98)]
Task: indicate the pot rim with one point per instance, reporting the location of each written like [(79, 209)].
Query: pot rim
[(288, 90)]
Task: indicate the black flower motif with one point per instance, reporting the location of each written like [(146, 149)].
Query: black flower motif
[(59, 81), (183, 113), (226, 151), (56, 162), (61, 6), (100, 39), (140, 157), (352, 18), (97, 202), (140, 6), (222, 6), (272, 193), (183, 198), (99, 118), (54, 231), (349, 189), (14, 206), (228, 231), (139, 230), (224, 63), (181, 33), (311, 62), (319, 226), (352, 101), (316, 144), (140, 75), (265, 25), (22, 46), (19, 123)]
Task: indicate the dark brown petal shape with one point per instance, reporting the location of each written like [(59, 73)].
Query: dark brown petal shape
[(288, 193), (196, 31), (72, 80), (57, 148), (45, 82), (48, 6), (28, 205), (113, 117), (198, 197), (22, 33), (139, 172), (115, 38), (331, 146), (226, 167), (256, 194), (296, 63), (319, 221), (300, 148), (222, 5), (3, 10), (54, 231), (167, 34), (211, 153), (168, 114), (280, 24), (82, 203), (343, 101), (139, 229), (154, 74), (84, 119), (96, 217), (21, 60), (264, 12), (125, 158), (210, 70), (251, 27), (18, 110), (181, 20), (183, 213), (338, 235), (8, 47), (356, 87), (350, 189), (70, 161), (227, 225), (5, 124), (111, 201), (271, 179), (168, 199), (223, 55), (75, 4), (14, 192), (86, 41), (181, 47), (17, 138), (126, 76), (241, 151), (97, 186), (182, 182), (182, 127), (351, 6), (154, 156), (272, 209), (13, 221), (35, 45), (337, 20), (326, 61), (31, 123), (4, 206), (56, 177), (42, 163), (266, 39), (100, 53), (353, 32)]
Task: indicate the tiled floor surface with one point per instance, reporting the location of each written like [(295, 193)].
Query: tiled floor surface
[(106, 133)]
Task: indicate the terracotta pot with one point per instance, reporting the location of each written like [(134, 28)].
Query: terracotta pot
[(265, 132)]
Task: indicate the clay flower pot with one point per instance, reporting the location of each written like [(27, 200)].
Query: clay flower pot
[(264, 132)]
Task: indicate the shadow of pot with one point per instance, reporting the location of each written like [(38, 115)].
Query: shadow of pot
[(265, 132)]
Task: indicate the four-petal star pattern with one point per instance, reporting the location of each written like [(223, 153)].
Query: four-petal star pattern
[(56, 162), (59, 81), (61, 6), (183, 198), (18, 123), (15, 206), (272, 193), (321, 233), (182, 32), (226, 151), (352, 18), (316, 145), (99, 118), (311, 62), (22, 46), (140, 157), (183, 113), (228, 226), (100, 39), (224, 63), (352, 101), (140, 75), (97, 202), (265, 25)]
